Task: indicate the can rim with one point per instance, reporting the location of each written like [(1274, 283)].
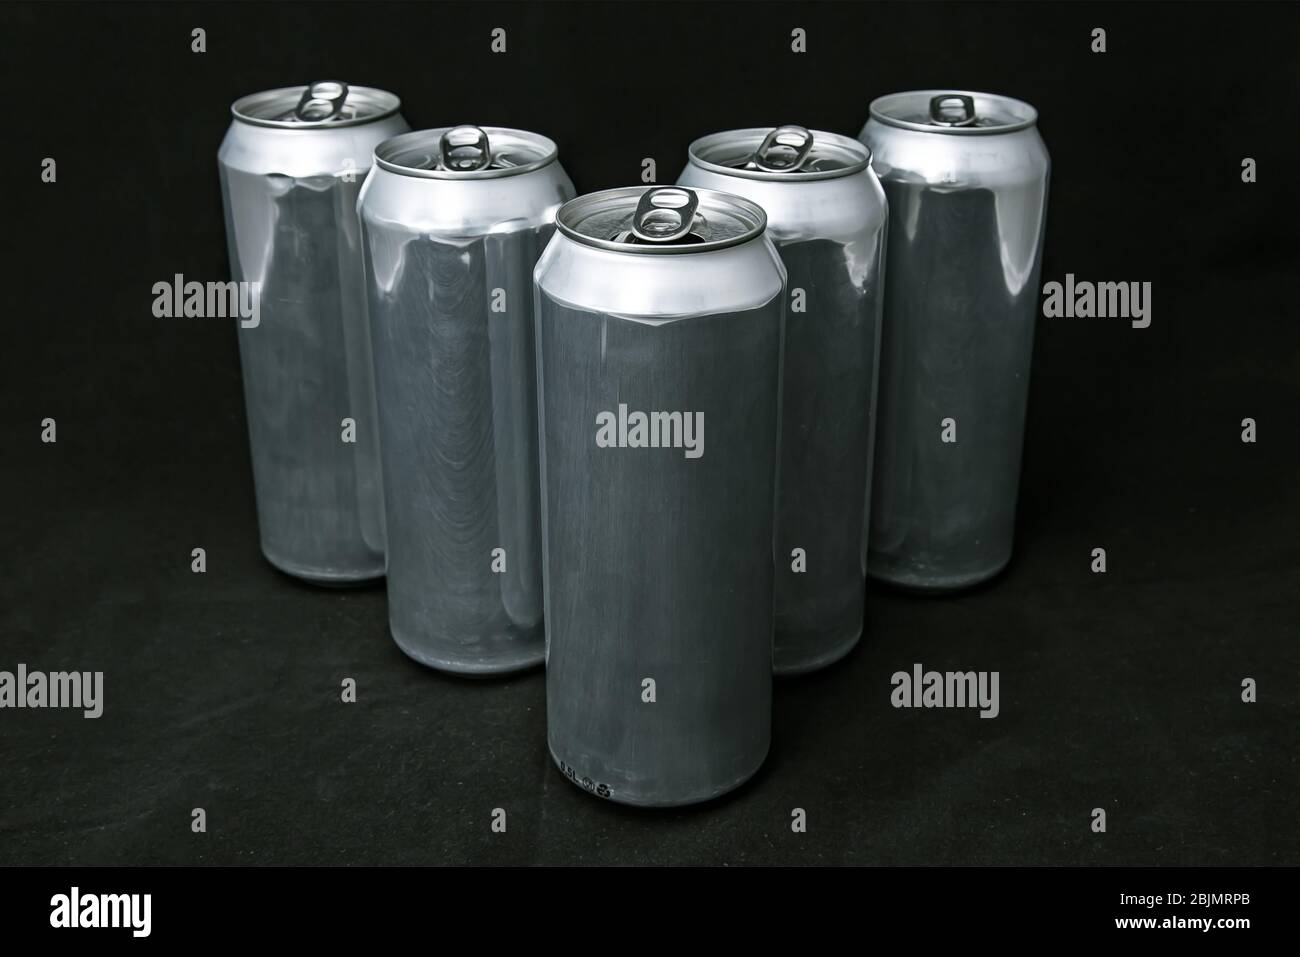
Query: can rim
[(384, 151), (390, 104), (1030, 119), (800, 176), (565, 214)]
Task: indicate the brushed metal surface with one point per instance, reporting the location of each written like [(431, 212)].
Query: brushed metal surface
[(457, 409), (290, 206), (830, 232), (659, 566), (967, 213)]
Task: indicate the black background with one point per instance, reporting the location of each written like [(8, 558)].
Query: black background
[(1119, 691)]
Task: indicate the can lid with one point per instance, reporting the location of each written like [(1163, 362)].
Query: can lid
[(780, 153), (324, 103), (465, 152), (954, 112), (661, 219)]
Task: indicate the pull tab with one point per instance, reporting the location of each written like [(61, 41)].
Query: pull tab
[(322, 100), (772, 154), (665, 214), (465, 149), (952, 109)]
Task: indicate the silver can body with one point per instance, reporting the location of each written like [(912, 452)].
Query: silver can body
[(659, 566), (827, 217), (968, 204), (449, 260), (290, 190)]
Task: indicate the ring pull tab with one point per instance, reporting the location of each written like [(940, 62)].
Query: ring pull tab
[(952, 109), (665, 214), (774, 153), (465, 149), (322, 100)]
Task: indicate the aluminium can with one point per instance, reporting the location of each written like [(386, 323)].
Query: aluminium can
[(292, 165), (660, 314), (966, 175), (453, 221), (827, 215)]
